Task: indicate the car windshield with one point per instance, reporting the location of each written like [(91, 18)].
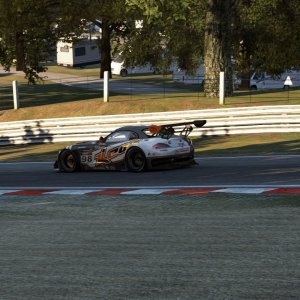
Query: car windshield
[(147, 132), (121, 136)]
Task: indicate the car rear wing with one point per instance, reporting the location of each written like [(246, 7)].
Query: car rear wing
[(183, 128)]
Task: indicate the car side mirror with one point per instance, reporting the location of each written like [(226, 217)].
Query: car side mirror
[(101, 139)]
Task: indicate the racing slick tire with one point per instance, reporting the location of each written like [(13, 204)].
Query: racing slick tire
[(135, 160), (68, 161)]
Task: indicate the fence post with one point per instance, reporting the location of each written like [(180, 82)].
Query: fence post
[(222, 89), (16, 94), (106, 87)]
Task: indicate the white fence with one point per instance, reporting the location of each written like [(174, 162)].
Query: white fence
[(226, 121)]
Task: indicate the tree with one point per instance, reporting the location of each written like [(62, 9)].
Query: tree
[(260, 34), (26, 36), (111, 16), (217, 46), (34, 28), (190, 30), (267, 35), (171, 31), (193, 29), (239, 34)]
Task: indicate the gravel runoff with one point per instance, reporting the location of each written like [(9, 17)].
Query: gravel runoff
[(150, 247)]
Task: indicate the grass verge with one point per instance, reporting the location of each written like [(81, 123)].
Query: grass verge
[(254, 144), (54, 100)]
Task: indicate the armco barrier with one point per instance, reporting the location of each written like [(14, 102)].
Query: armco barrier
[(263, 119)]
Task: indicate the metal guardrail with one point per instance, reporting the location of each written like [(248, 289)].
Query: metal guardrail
[(225, 121)]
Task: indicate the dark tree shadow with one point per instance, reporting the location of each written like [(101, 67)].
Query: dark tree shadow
[(42, 136)]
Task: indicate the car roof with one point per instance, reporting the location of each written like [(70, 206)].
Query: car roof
[(133, 127), (139, 129)]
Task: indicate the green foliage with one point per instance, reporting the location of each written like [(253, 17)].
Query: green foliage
[(263, 34), (269, 31), (30, 29), (28, 40), (171, 31)]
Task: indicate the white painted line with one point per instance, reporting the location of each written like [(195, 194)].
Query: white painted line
[(150, 191), (26, 162), (42, 203), (168, 187), (243, 190), (71, 192), (196, 158), (2, 192)]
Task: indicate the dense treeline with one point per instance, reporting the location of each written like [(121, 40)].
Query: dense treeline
[(229, 35)]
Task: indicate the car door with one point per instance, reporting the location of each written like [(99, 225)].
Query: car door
[(115, 146)]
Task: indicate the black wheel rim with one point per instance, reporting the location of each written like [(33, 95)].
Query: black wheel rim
[(70, 162), (67, 162), (136, 161)]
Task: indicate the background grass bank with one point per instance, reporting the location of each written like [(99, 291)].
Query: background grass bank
[(254, 144), (55, 99)]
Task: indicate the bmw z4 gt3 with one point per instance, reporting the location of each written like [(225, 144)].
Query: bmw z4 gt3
[(132, 148)]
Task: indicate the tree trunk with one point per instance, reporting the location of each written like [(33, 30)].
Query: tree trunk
[(105, 49), (20, 56), (217, 47), (245, 69)]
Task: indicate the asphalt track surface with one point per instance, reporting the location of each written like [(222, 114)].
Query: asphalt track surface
[(124, 86), (215, 171), (128, 86), (160, 247)]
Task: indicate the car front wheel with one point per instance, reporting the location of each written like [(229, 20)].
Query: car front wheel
[(136, 160), (68, 161)]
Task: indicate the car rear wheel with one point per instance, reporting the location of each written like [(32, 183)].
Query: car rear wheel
[(136, 160), (68, 161)]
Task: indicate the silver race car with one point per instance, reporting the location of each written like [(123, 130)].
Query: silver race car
[(133, 148)]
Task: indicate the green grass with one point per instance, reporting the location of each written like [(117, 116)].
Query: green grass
[(6, 80), (33, 96), (30, 152), (249, 144), (52, 100), (274, 97), (92, 70)]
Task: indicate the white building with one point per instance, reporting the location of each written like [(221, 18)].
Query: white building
[(82, 53)]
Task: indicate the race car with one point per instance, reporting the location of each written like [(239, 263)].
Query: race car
[(132, 148)]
